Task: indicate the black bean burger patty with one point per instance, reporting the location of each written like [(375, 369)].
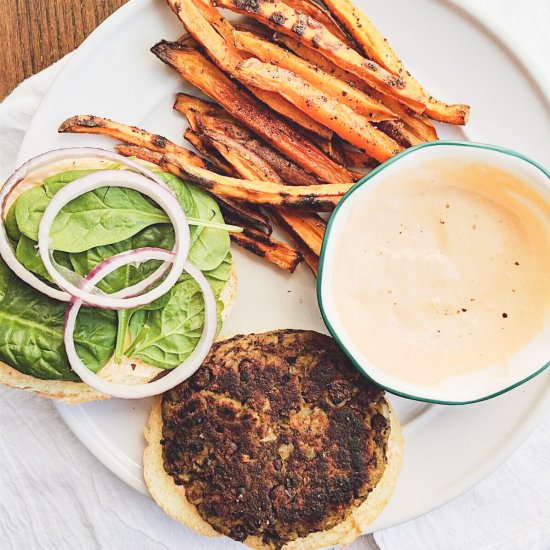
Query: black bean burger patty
[(276, 435)]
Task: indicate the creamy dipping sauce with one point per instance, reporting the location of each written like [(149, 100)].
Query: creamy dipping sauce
[(444, 270)]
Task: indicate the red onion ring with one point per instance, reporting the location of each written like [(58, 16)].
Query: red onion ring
[(174, 377), (126, 179), (6, 250)]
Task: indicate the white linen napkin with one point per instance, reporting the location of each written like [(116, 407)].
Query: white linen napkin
[(55, 495)]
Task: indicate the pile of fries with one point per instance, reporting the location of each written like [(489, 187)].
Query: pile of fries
[(307, 98)]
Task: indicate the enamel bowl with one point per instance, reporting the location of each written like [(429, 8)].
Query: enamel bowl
[(529, 361)]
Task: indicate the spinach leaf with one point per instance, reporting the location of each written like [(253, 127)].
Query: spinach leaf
[(182, 191), (210, 246), (161, 236), (31, 339), (11, 224), (6, 277), (27, 253), (101, 217), (219, 276), (57, 181), (164, 337)]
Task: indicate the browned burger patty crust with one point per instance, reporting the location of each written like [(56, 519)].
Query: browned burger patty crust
[(276, 435)]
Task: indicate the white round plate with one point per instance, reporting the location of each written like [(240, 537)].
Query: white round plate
[(459, 58)]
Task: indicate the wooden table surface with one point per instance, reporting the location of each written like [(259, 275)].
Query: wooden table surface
[(35, 33)]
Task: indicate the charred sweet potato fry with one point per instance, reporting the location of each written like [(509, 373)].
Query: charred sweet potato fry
[(197, 18), (305, 230), (215, 34), (254, 27), (311, 260), (195, 68), (281, 16), (331, 148), (281, 254), (201, 113), (288, 171), (337, 89), (321, 14), (89, 124), (246, 163), (398, 132), (358, 159), (201, 145), (376, 47), (345, 122), (317, 198), (245, 215), (420, 125), (187, 103), (308, 228)]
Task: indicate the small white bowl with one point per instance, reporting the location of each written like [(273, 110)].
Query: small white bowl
[(472, 387)]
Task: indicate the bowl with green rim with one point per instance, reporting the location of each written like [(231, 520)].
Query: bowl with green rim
[(472, 386)]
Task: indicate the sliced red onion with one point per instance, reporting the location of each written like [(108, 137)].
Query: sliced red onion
[(74, 153), (175, 376), (161, 195)]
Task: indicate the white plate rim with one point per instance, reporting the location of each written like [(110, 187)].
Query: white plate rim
[(100, 448)]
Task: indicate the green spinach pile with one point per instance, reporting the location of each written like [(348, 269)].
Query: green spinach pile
[(89, 229)]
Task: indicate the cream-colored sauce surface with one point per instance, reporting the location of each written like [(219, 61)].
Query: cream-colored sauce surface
[(444, 270)]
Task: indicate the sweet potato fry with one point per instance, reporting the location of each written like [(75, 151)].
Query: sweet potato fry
[(368, 37), (281, 16), (398, 132), (281, 254), (244, 214), (278, 103), (288, 171), (321, 14), (305, 230), (89, 124), (420, 125), (215, 34), (317, 198), (350, 126), (187, 103), (201, 113), (331, 148), (246, 163), (281, 135), (240, 213), (200, 144), (197, 18), (337, 89), (254, 27), (377, 48), (358, 159), (308, 228), (284, 107)]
